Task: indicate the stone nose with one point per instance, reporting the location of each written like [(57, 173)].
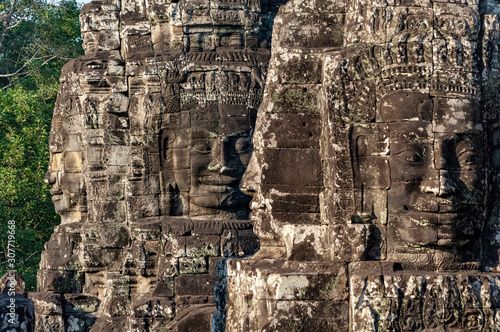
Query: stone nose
[(229, 170), (215, 165), (442, 187), (50, 177), (251, 179), (446, 184)]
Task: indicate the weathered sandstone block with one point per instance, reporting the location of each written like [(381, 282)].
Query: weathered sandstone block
[(375, 157), (150, 138)]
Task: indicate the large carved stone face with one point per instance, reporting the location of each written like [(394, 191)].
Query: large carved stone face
[(220, 151), (251, 185), (433, 170), (65, 166), (203, 163), (64, 174)]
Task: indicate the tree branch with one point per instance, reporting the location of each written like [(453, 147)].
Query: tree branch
[(20, 20), (20, 69)]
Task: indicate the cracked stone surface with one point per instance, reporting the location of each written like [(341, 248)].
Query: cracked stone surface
[(375, 169), (150, 138), (366, 185)]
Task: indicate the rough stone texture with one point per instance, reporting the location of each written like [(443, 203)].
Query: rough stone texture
[(374, 171), (150, 138), (375, 167)]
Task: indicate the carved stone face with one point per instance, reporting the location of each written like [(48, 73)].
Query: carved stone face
[(435, 169), (220, 151), (202, 165), (265, 226), (64, 174), (65, 166), (251, 185)]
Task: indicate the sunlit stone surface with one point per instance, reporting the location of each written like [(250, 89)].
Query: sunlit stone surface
[(150, 139), (366, 184), (374, 173)]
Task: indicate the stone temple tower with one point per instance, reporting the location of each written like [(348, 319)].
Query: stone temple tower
[(375, 171), (344, 179), (150, 138)]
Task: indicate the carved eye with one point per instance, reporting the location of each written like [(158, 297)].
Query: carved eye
[(466, 152), (203, 147), (467, 157), (414, 157), (243, 145)]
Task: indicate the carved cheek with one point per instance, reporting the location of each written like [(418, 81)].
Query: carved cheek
[(473, 182), (205, 156)]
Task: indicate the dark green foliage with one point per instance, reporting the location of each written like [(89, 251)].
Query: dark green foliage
[(40, 44), (36, 48), (24, 125)]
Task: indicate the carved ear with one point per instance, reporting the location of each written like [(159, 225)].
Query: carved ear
[(175, 205), (361, 146)]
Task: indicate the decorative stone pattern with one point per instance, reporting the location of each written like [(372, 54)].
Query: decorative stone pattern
[(376, 166), (385, 299), (150, 138), (374, 170)]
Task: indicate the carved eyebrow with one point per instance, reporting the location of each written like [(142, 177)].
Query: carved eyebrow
[(402, 147), (466, 150)]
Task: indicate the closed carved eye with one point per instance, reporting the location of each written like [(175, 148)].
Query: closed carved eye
[(202, 147), (243, 145), (414, 157)]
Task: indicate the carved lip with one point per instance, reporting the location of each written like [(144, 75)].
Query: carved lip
[(440, 218), (55, 191), (56, 198), (255, 214), (223, 180), (219, 188), (453, 208)]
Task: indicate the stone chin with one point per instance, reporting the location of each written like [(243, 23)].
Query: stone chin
[(226, 199)]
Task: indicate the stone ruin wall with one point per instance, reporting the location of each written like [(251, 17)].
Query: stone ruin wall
[(373, 173), (388, 110), (150, 138)]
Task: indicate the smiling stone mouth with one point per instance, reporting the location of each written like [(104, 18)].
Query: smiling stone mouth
[(55, 192), (220, 181), (454, 208)]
